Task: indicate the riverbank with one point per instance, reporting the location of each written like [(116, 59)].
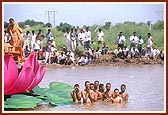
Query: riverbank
[(108, 60)]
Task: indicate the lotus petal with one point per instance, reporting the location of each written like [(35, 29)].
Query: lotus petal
[(29, 61), (23, 81), (38, 77), (10, 72)]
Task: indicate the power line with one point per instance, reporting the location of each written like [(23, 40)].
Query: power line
[(159, 14)]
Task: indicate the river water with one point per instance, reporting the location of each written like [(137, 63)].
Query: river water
[(145, 85)]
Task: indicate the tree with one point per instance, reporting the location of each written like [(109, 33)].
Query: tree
[(64, 27), (148, 23), (48, 25), (22, 25), (107, 25), (159, 25)]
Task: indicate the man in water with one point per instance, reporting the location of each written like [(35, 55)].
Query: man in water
[(101, 91), (92, 87), (116, 98), (96, 84), (76, 93), (108, 94), (123, 93), (87, 94)]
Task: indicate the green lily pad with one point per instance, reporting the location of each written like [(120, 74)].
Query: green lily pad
[(40, 91), (18, 101), (58, 93)]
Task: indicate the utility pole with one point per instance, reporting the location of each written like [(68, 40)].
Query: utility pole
[(150, 26), (158, 14), (51, 12), (48, 12)]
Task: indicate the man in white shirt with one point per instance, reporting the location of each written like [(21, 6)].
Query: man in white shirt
[(140, 42), (88, 37), (133, 39), (33, 40), (68, 40), (149, 43), (73, 40), (121, 40), (100, 36), (81, 38)]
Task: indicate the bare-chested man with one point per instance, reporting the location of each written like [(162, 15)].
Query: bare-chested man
[(107, 96), (123, 93), (87, 94), (116, 98), (76, 93), (101, 91), (92, 87), (96, 90)]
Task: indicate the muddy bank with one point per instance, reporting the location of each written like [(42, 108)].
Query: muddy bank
[(108, 60)]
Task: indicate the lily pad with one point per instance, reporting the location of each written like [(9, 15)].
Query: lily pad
[(58, 93), (18, 101)]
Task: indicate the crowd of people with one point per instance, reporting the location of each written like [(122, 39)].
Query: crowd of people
[(33, 42), (97, 91)]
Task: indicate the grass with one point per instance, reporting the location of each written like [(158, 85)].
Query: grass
[(110, 34)]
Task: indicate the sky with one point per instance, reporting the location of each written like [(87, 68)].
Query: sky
[(79, 14)]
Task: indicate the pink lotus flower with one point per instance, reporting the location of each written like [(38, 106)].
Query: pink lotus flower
[(29, 77)]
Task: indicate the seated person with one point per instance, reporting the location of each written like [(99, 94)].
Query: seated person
[(98, 53), (54, 56), (125, 51), (117, 52), (76, 93), (61, 58), (161, 55), (104, 49), (134, 51), (116, 98), (83, 60), (70, 58)]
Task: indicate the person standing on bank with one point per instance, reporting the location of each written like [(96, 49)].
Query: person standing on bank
[(140, 42), (100, 36), (121, 40), (88, 38)]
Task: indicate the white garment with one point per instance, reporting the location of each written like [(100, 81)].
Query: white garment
[(37, 45), (149, 42), (133, 51), (100, 36), (47, 57), (88, 36), (140, 41), (155, 52), (134, 39), (121, 39), (68, 41), (117, 51), (81, 38), (33, 39)]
